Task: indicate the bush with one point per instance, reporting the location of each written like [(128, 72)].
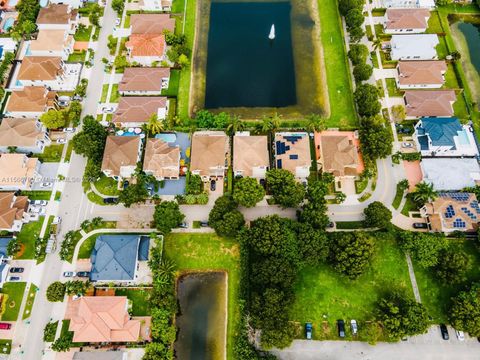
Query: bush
[(362, 72), (248, 192), (49, 331), (56, 292)]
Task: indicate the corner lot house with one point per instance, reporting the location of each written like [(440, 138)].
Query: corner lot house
[(31, 102), (410, 21), (429, 103), (115, 257), (151, 23), (452, 212), (121, 156), (421, 74), (162, 160), (95, 319), (17, 171), (13, 211), (135, 111), (445, 137), (429, 4), (450, 174), (146, 49), (209, 154), (144, 81), (292, 153), (26, 135), (414, 47), (52, 43), (58, 17), (250, 156), (155, 5)]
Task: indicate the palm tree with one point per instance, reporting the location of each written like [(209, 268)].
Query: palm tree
[(235, 124), (154, 125), (377, 43), (275, 122), (266, 124), (315, 123), (424, 193)]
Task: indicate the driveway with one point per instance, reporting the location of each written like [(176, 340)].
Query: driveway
[(48, 173)]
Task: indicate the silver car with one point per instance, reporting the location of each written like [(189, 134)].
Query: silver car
[(353, 326)]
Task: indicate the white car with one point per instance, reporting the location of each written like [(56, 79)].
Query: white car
[(407, 145), (353, 326), (117, 22), (460, 335), (46, 185), (39, 202), (69, 130), (61, 141), (108, 109)]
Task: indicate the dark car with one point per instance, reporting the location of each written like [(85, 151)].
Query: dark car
[(341, 328), (308, 330), (125, 184), (204, 223), (17, 270), (263, 183), (110, 201), (83, 273), (5, 326), (331, 225), (183, 225), (444, 331), (420, 226), (213, 185)]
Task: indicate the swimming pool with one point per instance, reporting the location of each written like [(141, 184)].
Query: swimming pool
[(8, 24), (168, 137)]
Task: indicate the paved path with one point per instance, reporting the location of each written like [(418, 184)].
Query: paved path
[(413, 279)]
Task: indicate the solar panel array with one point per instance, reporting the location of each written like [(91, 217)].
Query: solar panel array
[(459, 223), (449, 212), (474, 205), (469, 213)]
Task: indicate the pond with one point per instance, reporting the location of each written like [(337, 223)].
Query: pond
[(201, 321)]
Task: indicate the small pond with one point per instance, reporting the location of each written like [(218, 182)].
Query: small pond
[(201, 321)]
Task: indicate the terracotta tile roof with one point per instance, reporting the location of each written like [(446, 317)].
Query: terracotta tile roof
[(54, 14), (250, 152), (430, 102), (161, 159), (120, 151), (151, 23), (338, 155), (53, 40), (143, 79), (208, 151), (16, 169), (11, 210), (101, 319), (40, 68), (407, 18), (138, 109), (31, 99), (421, 72), (20, 132), (146, 45)]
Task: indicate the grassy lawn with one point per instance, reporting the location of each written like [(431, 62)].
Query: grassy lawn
[(442, 50), (434, 24), (83, 34), (114, 95), (68, 155), (139, 299), (77, 56), (374, 57), (5, 346), (210, 252), (392, 88), (172, 84), (26, 237), (95, 198), (51, 153), (338, 75), (15, 291), (107, 186), (87, 246), (76, 239), (451, 81), (460, 107), (322, 295), (31, 298), (361, 185), (398, 197), (37, 194), (435, 296), (409, 205)]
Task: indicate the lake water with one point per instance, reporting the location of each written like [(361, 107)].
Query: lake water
[(245, 68), (472, 36), (201, 322)]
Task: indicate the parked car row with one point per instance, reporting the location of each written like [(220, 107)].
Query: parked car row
[(77, 274)]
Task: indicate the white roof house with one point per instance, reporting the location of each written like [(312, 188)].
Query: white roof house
[(7, 45), (451, 173), (414, 47), (409, 4)]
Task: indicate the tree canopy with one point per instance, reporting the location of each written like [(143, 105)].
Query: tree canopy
[(167, 216), (248, 192), (53, 119), (425, 248), (375, 138), (90, 142), (465, 311), (312, 244), (362, 72), (452, 266), (285, 190), (366, 97), (358, 53), (56, 291), (377, 215)]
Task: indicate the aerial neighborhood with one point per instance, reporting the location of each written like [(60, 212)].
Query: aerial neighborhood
[(204, 179)]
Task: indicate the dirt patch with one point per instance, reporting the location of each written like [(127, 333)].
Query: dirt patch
[(21, 251)]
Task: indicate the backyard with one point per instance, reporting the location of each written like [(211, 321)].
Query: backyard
[(139, 299), (51, 153), (196, 252), (15, 291), (26, 238), (107, 186)]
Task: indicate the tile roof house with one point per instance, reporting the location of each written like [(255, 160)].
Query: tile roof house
[(337, 154), (4, 258), (450, 174), (292, 153), (144, 81), (52, 43), (421, 74), (17, 171), (155, 5), (75, 4), (100, 355), (410, 21), (121, 155), (161, 160), (429, 4), (445, 137), (209, 154), (429, 103), (414, 47), (13, 211), (26, 135), (452, 212), (151, 23), (146, 49), (31, 102), (250, 156), (45, 71), (58, 17), (136, 110), (115, 257), (95, 319)]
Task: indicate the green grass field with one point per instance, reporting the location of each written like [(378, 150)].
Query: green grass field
[(15, 291), (172, 84), (209, 252), (26, 237), (30, 300), (51, 153), (107, 186), (139, 298)]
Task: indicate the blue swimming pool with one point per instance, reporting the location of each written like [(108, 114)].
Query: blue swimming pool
[(169, 138), (8, 24)]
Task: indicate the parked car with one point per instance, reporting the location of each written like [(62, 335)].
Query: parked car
[(444, 331), (420, 226), (263, 183), (460, 335), (150, 190), (353, 326), (183, 225), (69, 130), (204, 223), (17, 270), (46, 184), (14, 278), (125, 184), (69, 274), (213, 185), (5, 326), (108, 109), (39, 202), (308, 330), (61, 141), (83, 274), (407, 145), (77, 98), (341, 328), (117, 22), (331, 224), (110, 200)]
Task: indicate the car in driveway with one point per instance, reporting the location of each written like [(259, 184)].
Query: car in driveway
[(110, 200), (420, 226), (460, 335), (69, 274), (39, 202), (308, 331), (17, 270), (5, 326), (213, 185), (69, 130), (108, 109), (61, 141), (204, 223), (183, 225), (341, 328), (444, 332), (46, 185), (14, 278), (83, 274), (354, 327)]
